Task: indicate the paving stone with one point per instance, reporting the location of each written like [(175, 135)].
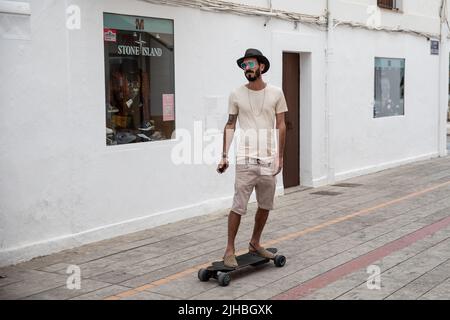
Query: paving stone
[(102, 293), (34, 282), (440, 292), (404, 273), (63, 293), (423, 284), (145, 295)]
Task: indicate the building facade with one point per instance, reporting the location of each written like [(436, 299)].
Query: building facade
[(113, 110)]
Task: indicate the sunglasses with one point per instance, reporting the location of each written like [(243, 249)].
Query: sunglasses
[(250, 64)]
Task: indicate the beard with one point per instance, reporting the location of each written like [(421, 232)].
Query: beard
[(253, 76)]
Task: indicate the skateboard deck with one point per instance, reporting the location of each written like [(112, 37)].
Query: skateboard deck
[(243, 260), (222, 273)]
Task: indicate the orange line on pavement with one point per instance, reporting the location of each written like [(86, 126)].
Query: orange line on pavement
[(290, 236)]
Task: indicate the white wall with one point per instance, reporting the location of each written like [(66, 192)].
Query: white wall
[(312, 97), (362, 142), (35, 156), (61, 185), (312, 7), (415, 15)]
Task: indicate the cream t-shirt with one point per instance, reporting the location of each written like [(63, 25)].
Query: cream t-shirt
[(256, 112)]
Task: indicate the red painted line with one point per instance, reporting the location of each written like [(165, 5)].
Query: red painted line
[(334, 274)]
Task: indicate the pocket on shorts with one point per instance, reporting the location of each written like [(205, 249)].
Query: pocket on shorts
[(242, 167)]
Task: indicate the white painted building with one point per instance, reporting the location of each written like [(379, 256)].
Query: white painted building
[(369, 98)]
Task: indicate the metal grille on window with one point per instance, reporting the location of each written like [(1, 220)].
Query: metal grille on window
[(388, 4)]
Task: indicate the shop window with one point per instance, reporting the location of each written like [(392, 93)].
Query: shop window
[(139, 79), (389, 87)]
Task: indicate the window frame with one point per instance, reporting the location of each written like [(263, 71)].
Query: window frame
[(375, 87), (174, 137)]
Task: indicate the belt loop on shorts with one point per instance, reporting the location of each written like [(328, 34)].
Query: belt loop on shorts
[(257, 162)]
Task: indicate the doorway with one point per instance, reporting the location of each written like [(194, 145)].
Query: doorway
[(291, 89)]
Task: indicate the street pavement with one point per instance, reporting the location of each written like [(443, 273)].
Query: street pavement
[(384, 235)]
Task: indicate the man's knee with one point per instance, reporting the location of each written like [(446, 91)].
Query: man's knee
[(235, 214)]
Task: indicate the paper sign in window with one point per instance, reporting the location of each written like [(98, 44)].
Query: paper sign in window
[(168, 107), (110, 35)]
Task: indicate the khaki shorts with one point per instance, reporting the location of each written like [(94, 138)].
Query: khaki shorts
[(248, 176)]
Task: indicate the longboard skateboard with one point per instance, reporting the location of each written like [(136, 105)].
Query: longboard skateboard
[(222, 273)]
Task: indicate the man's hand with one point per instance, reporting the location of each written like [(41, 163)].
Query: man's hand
[(228, 134), (278, 165), (223, 165)]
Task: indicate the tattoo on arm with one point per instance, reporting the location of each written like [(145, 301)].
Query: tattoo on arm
[(231, 119)]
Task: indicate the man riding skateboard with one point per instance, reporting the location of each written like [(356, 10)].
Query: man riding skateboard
[(260, 108)]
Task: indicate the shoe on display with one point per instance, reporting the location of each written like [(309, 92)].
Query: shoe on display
[(109, 131), (147, 126), (112, 109), (125, 137), (143, 136), (156, 136), (110, 142)]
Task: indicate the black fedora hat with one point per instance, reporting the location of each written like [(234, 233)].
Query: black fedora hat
[(255, 53)]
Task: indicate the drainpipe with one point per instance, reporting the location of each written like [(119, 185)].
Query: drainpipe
[(443, 81), (329, 60)]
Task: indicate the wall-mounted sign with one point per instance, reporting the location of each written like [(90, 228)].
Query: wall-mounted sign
[(138, 48), (434, 47), (133, 23)]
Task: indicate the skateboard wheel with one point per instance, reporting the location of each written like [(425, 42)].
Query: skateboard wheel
[(280, 261), (223, 278), (204, 275)]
